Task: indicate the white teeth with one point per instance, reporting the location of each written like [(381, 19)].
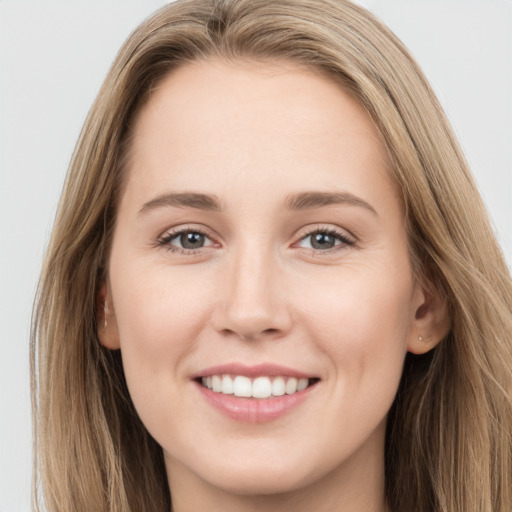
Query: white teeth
[(291, 386), (242, 386), (278, 386), (260, 387), (302, 384), (216, 384), (227, 385)]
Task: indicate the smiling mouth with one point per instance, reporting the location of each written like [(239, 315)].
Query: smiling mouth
[(259, 387)]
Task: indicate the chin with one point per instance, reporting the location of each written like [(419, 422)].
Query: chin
[(263, 477), (255, 482)]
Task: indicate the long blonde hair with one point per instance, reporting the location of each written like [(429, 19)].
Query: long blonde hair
[(448, 445)]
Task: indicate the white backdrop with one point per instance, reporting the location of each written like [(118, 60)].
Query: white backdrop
[(53, 57)]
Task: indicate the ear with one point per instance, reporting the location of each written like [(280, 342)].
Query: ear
[(106, 323), (431, 321)]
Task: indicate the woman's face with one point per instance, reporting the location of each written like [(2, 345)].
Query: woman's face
[(260, 246)]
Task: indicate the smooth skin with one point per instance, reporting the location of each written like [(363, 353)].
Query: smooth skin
[(323, 285)]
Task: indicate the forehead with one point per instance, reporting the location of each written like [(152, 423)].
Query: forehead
[(213, 121), (244, 95)]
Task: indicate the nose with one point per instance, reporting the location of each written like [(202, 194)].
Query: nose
[(253, 302)]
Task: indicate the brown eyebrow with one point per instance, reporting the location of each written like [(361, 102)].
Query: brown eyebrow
[(306, 200), (184, 200), (301, 201)]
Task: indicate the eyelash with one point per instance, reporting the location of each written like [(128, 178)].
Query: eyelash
[(165, 241), (335, 233)]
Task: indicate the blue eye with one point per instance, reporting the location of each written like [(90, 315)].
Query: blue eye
[(323, 240)]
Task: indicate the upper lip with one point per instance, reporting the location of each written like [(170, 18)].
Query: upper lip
[(256, 370)]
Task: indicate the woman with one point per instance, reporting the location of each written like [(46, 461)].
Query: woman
[(271, 283)]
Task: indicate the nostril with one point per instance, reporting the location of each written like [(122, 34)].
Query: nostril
[(258, 335), (251, 336)]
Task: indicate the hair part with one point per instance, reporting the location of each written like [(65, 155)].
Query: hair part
[(448, 444)]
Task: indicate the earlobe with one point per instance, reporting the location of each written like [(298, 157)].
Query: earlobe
[(431, 322), (106, 323), (422, 345)]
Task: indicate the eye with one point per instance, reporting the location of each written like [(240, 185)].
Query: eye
[(185, 240), (324, 240)]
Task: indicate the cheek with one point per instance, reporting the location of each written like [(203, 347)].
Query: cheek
[(159, 319), (361, 320)]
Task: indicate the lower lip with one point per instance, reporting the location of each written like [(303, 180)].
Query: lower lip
[(254, 410)]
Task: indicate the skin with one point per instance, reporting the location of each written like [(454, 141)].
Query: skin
[(252, 135)]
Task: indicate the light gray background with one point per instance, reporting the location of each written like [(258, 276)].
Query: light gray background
[(53, 57)]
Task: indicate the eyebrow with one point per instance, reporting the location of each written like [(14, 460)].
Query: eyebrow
[(300, 201), (307, 200), (184, 200)]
